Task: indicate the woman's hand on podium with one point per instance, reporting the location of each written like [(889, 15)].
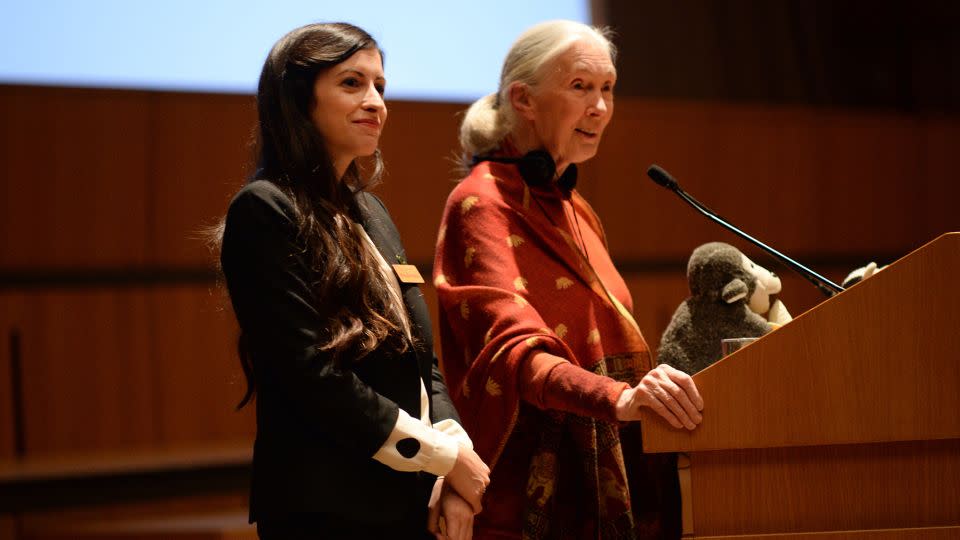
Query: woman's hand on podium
[(669, 392)]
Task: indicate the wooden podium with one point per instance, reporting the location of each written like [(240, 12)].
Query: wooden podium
[(844, 423)]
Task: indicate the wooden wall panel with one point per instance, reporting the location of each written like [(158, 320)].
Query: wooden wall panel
[(9, 325), (655, 298), (39, 524), (201, 153), (827, 488), (196, 370), (123, 369), (812, 182), (8, 528), (150, 170), (940, 177), (708, 149), (87, 380), (419, 147), (868, 166), (72, 177), (231, 525), (921, 533)]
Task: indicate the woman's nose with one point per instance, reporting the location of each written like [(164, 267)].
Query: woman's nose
[(372, 100), (599, 106)]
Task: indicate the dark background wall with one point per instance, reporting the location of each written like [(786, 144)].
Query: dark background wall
[(847, 53), (828, 129)]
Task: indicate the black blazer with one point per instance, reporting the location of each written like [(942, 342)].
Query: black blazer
[(318, 425)]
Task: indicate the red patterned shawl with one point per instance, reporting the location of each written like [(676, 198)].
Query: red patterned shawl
[(511, 281)]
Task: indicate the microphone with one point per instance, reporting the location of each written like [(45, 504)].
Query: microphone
[(663, 178)]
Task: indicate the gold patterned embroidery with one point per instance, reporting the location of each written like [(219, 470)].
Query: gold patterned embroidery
[(531, 341), (464, 310), (521, 301), (468, 203), (439, 280), (492, 387), (543, 474), (514, 240), (468, 258), (442, 234), (593, 337), (520, 283), (561, 330), (488, 336), (564, 283), (611, 487)]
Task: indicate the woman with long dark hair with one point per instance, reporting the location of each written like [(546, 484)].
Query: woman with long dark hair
[(354, 423)]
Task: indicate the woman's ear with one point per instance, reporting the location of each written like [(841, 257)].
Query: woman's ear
[(521, 99)]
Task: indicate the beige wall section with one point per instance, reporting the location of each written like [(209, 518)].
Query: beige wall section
[(113, 180)]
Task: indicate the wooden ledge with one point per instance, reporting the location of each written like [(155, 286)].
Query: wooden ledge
[(79, 480)]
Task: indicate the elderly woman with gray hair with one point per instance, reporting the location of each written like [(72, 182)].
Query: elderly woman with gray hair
[(543, 358)]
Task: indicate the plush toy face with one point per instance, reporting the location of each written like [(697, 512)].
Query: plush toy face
[(720, 272), (716, 274), (767, 284)]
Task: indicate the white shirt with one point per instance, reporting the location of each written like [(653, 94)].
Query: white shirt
[(437, 445)]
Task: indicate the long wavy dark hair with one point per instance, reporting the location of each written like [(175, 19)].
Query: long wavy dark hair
[(292, 154)]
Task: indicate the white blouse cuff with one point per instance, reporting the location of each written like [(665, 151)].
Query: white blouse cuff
[(452, 428), (414, 446)]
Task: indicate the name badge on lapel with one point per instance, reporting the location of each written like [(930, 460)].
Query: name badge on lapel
[(407, 273)]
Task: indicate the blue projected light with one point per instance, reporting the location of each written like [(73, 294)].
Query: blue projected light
[(435, 50)]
